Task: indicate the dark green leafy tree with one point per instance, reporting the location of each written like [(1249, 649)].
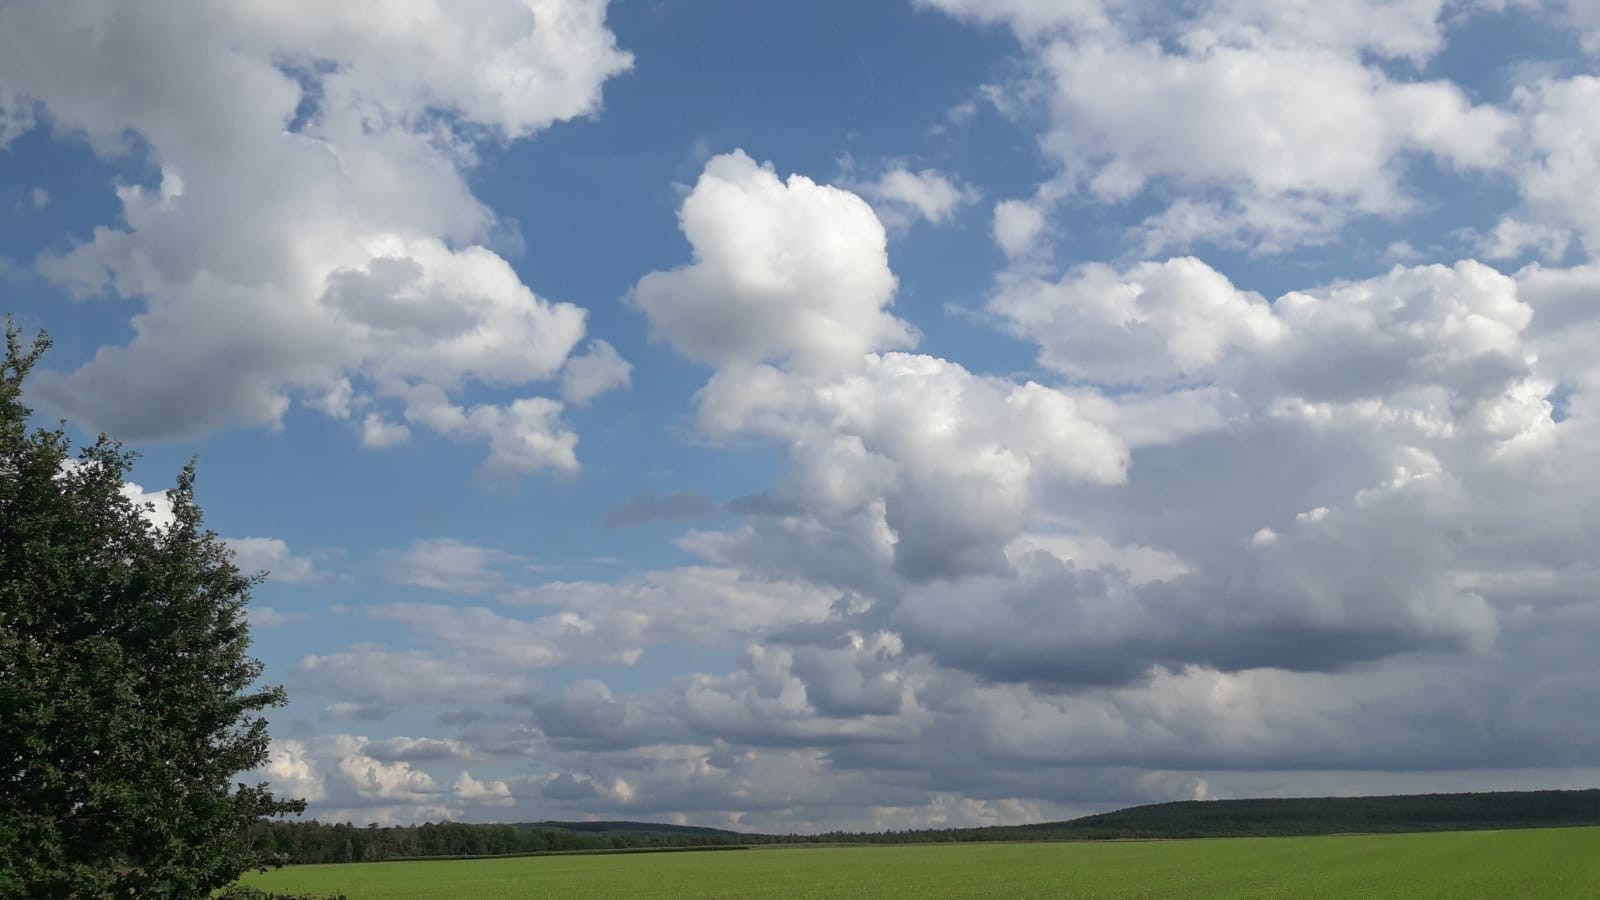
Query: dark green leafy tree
[(128, 700)]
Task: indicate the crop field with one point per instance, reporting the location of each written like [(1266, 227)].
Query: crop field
[(1489, 864)]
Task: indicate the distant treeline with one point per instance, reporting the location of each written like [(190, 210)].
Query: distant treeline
[(319, 842), (316, 842)]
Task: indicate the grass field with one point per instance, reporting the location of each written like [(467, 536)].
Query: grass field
[(1489, 864)]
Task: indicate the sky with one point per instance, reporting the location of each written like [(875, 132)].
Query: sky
[(838, 415)]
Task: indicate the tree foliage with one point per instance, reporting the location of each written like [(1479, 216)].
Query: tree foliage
[(128, 700)]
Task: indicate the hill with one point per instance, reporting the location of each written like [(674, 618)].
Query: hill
[(1331, 815), (1303, 816)]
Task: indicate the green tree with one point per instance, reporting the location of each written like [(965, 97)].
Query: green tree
[(128, 701)]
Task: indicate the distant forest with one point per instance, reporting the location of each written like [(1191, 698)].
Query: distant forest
[(316, 842)]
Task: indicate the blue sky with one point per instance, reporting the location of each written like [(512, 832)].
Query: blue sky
[(848, 415)]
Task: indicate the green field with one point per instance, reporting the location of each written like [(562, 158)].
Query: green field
[(1489, 864)]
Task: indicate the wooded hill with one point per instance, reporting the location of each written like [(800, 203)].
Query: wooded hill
[(1303, 816), (315, 842)]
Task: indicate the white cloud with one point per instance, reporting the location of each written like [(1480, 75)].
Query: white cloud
[(362, 266), (411, 749), (1272, 122), (927, 194), (524, 436), (380, 679), (596, 622), (1018, 226), (689, 604), (377, 433), (593, 373), (17, 116), (1313, 134), (1311, 600), (255, 554), (948, 459), (156, 505), (916, 482), (1458, 329), (1401, 252), (1559, 173), (467, 789), (1409, 29), (1392, 28), (455, 566), (357, 712), (262, 617), (293, 773), (852, 695), (40, 198), (788, 271), (367, 779), (1386, 338), (1412, 396), (1029, 17), (506, 643), (1171, 320), (1512, 238), (1588, 18), (943, 459)]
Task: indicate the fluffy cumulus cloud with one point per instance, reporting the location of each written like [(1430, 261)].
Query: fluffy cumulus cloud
[(947, 459), (1171, 320), (1558, 172), (1279, 123), (1018, 225), (944, 459), (1414, 384), (359, 286), (785, 270), (1358, 428), (905, 196), (365, 781), (272, 555), (156, 505), (596, 371)]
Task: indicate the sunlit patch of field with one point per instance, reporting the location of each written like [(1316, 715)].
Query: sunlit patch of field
[(1554, 863)]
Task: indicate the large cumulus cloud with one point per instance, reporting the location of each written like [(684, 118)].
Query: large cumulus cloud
[(784, 270), (1279, 122), (311, 237)]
